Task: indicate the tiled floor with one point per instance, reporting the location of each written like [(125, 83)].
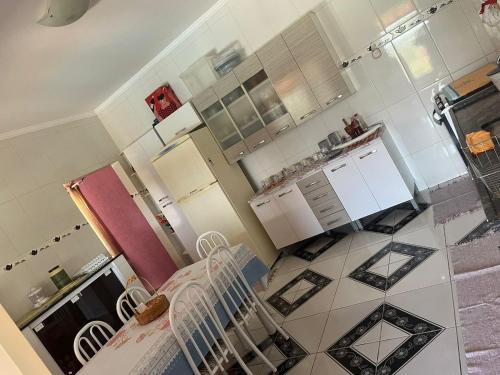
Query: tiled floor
[(369, 303)]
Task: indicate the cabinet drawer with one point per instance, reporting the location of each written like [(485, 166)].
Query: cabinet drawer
[(280, 126), (328, 208), (313, 182), (236, 152), (321, 195), (248, 68), (225, 85), (257, 140), (331, 91), (335, 220)]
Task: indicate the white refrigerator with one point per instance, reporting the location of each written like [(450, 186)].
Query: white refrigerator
[(212, 194)]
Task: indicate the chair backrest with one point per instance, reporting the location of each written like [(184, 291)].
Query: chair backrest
[(227, 280), (89, 335), (125, 307), (195, 323), (209, 241)]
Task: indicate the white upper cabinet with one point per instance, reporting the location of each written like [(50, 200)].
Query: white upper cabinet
[(297, 211), (381, 175), (274, 222), (178, 123), (183, 178), (351, 188)]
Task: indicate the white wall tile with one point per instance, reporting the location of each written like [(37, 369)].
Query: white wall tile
[(366, 100), (358, 22), (255, 25), (304, 6), (284, 13), (488, 37), (454, 37), (168, 72), (225, 30), (394, 12), (413, 125), (388, 75), (436, 164), (420, 57)]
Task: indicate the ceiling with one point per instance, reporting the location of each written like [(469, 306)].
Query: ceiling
[(52, 73)]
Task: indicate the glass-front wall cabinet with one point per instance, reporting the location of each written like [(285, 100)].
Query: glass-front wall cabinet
[(242, 112), (264, 97), (219, 122)]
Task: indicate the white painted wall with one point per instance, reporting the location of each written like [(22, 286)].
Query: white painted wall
[(395, 88), (34, 205)]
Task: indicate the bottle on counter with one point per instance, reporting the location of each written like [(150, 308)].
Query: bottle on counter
[(361, 121)]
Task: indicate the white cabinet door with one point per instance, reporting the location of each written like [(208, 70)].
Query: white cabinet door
[(382, 175), (298, 213), (183, 170), (351, 188), (274, 222), (178, 123)]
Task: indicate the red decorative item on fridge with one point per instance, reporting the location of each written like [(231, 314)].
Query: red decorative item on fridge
[(163, 102)]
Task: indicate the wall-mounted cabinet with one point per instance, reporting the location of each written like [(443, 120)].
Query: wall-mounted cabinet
[(220, 123), (285, 83)]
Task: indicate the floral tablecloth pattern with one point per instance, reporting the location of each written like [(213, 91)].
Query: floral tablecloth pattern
[(153, 349)]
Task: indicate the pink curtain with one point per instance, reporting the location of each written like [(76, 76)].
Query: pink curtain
[(108, 198)]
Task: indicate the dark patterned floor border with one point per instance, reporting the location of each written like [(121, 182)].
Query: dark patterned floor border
[(374, 226), (421, 333), (481, 230), (302, 252), (284, 307), (417, 254), (293, 352)]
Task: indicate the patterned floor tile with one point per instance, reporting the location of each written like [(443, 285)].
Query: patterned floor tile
[(480, 231), (311, 251), (284, 307), (392, 220)]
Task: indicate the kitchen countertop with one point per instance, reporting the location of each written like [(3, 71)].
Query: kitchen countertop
[(318, 165), (59, 295)]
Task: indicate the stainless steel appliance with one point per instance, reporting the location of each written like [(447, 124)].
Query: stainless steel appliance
[(466, 111)]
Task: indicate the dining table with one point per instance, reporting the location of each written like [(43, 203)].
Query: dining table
[(152, 348)]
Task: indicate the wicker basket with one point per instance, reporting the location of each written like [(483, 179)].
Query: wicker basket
[(155, 307)]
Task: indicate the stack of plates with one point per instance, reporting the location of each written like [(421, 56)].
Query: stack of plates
[(92, 266)]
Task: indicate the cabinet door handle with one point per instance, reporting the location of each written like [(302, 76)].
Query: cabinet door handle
[(309, 114), (263, 203), (242, 153), (320, 196), (163, 198), (312, 184), (259, 144), (332, 222), (326, 209), (368, 154), (283, 129), (168, 204), (339, 167), (334, 99), (193, 191), (285, 193), (180, 131)]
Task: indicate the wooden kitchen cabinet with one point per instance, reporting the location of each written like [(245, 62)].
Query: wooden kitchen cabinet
[(288, 80), (297, 212), (316, 58), (274, 222), (381, 175), (351, 188)]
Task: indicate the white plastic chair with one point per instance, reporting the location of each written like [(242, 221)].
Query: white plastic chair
[(191, 312), (92, 327), (240, 302), (123, 306), (209, 241)]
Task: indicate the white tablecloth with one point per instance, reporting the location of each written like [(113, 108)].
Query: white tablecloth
[(153, 349)]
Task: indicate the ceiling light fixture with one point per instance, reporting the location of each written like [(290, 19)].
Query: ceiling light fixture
[(63, 12)]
